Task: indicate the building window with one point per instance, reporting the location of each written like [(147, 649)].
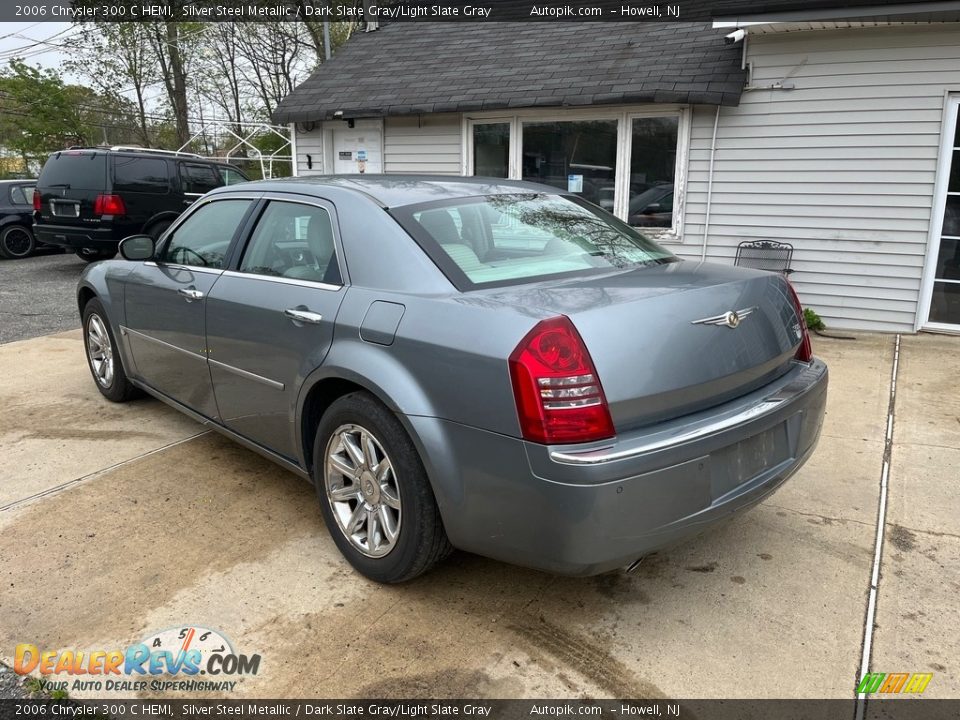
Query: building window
[(629, 162), (579, 157), (491, 149), (653, 171)]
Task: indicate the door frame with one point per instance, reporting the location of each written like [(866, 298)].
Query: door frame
[(951, 109)]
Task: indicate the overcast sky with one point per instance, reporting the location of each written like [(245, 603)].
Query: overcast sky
[(23, 39)]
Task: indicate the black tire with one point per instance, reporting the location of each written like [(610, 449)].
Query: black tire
[(91, 255), (116, 387), (421, 541), (155, 230), (17, 241)]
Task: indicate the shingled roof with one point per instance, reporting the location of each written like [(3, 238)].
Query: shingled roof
[(414, 68)]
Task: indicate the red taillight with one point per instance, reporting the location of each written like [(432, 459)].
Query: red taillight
[(805, 351), (109, 205), (37, 203), (558, 394)]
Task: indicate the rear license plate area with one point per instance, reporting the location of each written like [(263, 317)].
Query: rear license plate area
[(64, 209), (736, 464)]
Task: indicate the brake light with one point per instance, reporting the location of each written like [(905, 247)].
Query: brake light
[(805, 351), (109, 205), (558, 393), (37, 203)]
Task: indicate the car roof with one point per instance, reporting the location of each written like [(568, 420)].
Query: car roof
[(25, 181), (398, 190)]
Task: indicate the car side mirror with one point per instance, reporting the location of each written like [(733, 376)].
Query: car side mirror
[(652, 208), (137, 247)]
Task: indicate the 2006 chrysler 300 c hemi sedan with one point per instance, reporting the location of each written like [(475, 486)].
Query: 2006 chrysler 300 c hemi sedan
[(465, 363)]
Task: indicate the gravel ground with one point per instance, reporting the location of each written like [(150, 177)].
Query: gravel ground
[(11, 684), (38, 296)]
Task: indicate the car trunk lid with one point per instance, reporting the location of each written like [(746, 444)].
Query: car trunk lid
[(665, 340)]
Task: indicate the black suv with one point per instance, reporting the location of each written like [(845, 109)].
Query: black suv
[(89, 199)]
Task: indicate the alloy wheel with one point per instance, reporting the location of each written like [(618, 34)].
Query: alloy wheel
[(362, 489), (100, 351)]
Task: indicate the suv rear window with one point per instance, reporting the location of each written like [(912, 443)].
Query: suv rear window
[(514, 239), (198, 178), (140, 174), (75, 170)]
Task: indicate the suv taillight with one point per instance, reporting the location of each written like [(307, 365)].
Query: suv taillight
[(109, 205), (558, 393), (805, 351), (37, 203)]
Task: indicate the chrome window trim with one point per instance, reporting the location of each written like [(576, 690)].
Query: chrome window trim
[(283, 280), (188, 268), (128, 331), (767, 405), (247, 374)]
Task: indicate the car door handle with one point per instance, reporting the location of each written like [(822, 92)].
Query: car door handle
[(191, 294), (303, 316)]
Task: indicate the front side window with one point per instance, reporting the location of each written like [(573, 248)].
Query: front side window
[(204, 238), (292, 240), (653, 163), (138, 174), (513, 239), (198, 179)]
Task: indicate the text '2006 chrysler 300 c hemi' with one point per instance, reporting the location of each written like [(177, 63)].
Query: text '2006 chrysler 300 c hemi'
[(483, 364)]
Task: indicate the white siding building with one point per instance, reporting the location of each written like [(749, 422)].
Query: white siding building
[(839, 140)]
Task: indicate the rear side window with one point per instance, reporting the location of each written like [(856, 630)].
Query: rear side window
[(21, 194), (513, 239), (75, 171), (198, 178), (294, 241), (138, 174), (204, 238)]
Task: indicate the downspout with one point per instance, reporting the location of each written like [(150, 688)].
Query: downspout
[(706, 221)]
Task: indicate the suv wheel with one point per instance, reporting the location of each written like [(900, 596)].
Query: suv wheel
[(157, 229), (17, 242), (374, 493), (91, 255)]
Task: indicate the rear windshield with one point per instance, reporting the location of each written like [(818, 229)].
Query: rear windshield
[(514, 239), (75, 170)]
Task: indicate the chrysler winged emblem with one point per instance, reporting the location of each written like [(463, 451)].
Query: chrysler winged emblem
[(731, 318)]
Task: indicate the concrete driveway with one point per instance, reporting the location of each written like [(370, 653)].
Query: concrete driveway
[(118, 521)]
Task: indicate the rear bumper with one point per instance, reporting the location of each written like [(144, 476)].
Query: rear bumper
[(577, 511), (75, 237)]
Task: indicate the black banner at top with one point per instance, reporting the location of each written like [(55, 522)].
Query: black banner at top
[(380, 11)]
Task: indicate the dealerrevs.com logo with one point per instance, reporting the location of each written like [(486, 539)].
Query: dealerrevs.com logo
[(180, 655)]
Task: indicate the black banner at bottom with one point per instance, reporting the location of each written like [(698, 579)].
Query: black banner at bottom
[(915, 708)]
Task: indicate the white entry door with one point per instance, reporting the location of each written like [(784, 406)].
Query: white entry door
[(944, 283), (358, 149)]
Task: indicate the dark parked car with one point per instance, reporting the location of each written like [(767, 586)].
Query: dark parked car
[(490, 365), (88, 199), (653, 207), (16, 218)]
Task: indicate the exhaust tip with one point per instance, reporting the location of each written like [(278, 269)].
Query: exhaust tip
[(632, 567)]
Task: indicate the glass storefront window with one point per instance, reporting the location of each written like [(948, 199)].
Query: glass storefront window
[(491, 150), (653, 163), (578, 156)]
